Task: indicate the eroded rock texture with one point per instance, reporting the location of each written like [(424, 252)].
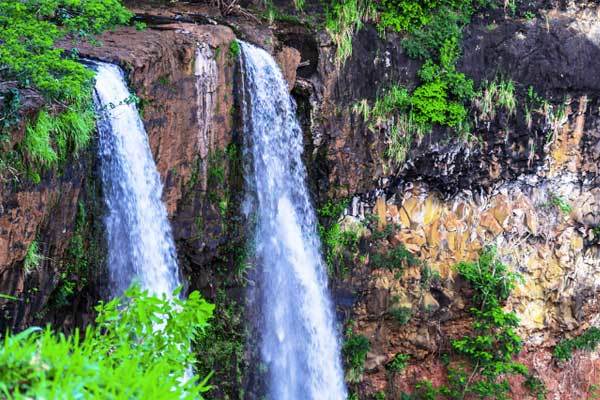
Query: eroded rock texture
[(449, 199)]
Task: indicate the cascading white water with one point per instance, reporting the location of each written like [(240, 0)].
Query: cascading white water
[(140, 243), (299, 344)]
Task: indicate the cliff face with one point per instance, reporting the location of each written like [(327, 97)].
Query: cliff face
[(451, 198), (448, 200)]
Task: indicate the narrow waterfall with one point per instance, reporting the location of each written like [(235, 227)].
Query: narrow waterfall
[(299, 344), (140, 243)]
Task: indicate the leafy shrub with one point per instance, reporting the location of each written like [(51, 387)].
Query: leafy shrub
[(398, 363), (139, 349), (339, 243), (401, 314), (29, 29), (234, 50), (28, 32), (222, 346), (486, 355), (587, 341), (355, 351), (495, 342), (424, 44), (394, 259)]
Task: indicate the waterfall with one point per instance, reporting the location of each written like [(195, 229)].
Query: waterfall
[(299, 344), (140, 244)]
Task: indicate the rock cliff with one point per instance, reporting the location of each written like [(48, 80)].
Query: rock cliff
[(532, 189)]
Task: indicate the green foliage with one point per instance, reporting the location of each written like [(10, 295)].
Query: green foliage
[(486, 356), (561, 204), (401, 314), (28, 31), (271, 13), (428, 276), (491, 279), (439, 99), (494, 343), (424, 390), (32, 258), (343, 19), (138, 349), (379, 395), (587, 341), (355, 351), (340, 243), (234, 50), (222, 346), (495, 94), (424, 44), (407, 15), (394, 259), (596, 233), (398, 363), (79, 256), (52, 138), (535, 386)]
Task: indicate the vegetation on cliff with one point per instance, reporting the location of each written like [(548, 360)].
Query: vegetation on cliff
[(433, 33), (138, 349), (481, 361), (30, 59)]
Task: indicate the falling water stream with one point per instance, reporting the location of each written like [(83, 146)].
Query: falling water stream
[(140, 243), (299, 344)]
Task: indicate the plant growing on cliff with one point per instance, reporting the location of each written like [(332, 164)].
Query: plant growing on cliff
[(587, 341), (339, 242), (490, 351), (138, 349), (234, 50), (343, 19), (355, 351), (394, 259), (495, 94), (30, 59), (398, 363), (222, 347), (32, 258), (485, 357), (561, 204)]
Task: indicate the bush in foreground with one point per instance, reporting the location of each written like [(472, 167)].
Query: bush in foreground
[(139, 348)]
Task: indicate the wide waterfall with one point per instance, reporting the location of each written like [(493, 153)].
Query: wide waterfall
[(299, 344), (140, 243)]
